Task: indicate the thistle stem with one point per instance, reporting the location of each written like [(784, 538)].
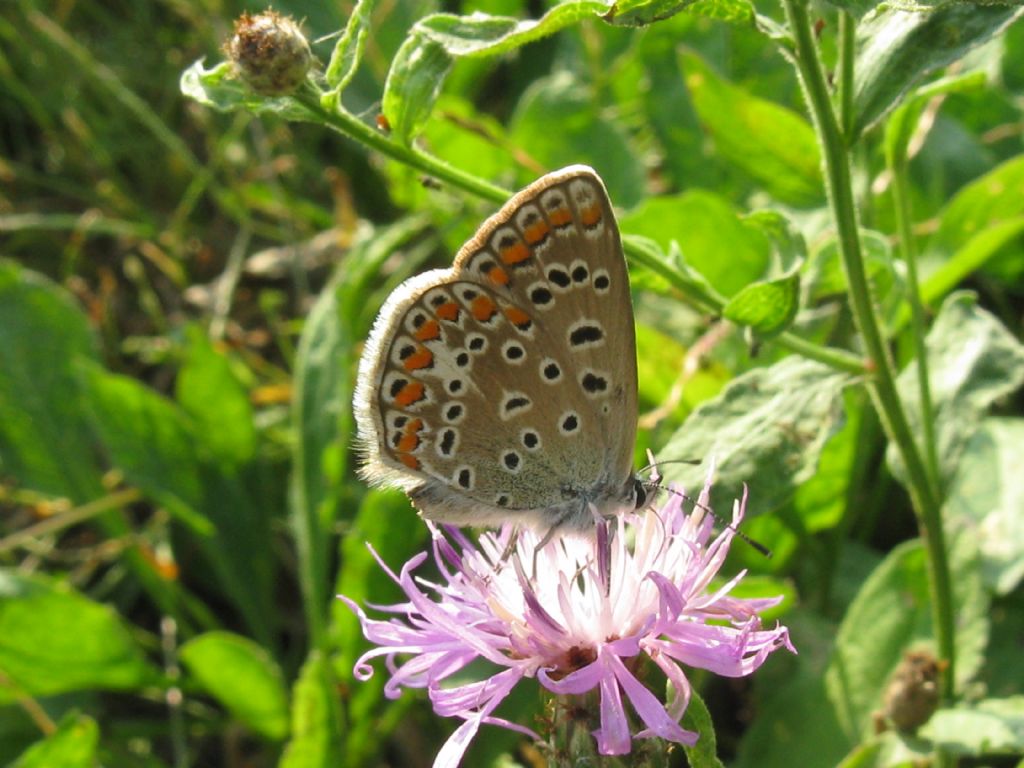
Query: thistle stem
[(882, 387)]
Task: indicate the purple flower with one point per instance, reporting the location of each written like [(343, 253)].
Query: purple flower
[(576, 614)]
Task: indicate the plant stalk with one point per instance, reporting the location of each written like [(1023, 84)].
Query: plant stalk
[(882, 387), (908, 248)]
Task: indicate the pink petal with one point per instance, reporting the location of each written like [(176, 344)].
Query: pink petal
[(450, 755), (578, 681), (680, 685), (648, 707), (613, 735)]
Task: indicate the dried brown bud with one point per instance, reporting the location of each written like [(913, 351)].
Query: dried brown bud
[(912, 694), (270, 53)]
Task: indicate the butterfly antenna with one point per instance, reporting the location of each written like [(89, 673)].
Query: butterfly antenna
[(758, 546), (656, 464)]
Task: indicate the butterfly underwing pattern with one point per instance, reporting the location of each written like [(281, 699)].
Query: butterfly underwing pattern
[(504, 389)]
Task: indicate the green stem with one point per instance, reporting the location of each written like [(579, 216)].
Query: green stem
[(908, 247), (327, 109), (844, 77), (698, 297), (882, 387)]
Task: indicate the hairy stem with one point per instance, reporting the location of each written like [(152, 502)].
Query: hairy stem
[(882, 387)]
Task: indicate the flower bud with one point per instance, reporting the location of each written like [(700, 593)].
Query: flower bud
[(912, 693), (270, 53)]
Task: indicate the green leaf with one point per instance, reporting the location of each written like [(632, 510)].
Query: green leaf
[(896, 49), (639, 13), (993, 201), (972, 361), (703, 754), (349, 50), (412, 86), (772, 144), (54, 640), (149, 439), (822, 502), (242, 676), (891, 615), (725, 249), (558, 119), (219, 88), (986, 495), (903, 123), (789, 249), (739, 12), (72, 745), (480, 34), (45, 439), (768, 307), (978, 251), (765, 430), (989, 727), (315, 741), (209, 392), (419, 68)]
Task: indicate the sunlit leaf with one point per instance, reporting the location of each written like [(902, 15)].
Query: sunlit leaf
[(349, 50), (45, 439), (972, 360), (772, 144), (316, 722), (218, 87), (73, 745), (218, 404), (987, 496), (897, 48), (54, 640), (767, 307), (765, 430), (982, 729), (243, 677)]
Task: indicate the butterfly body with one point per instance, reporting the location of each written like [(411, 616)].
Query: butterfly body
[(504, 388)]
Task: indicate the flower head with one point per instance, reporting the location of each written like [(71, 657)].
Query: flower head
[(270, 53), (578, 615)]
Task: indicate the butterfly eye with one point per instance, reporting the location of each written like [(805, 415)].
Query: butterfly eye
[(639, 493)]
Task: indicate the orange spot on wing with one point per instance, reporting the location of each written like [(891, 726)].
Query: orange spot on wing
[(429, 331), (410, 393), (536, 232), (590, 216), (483, 308), (419, 359), (409, 460), (448, 311), (517, 317), (560, 217), (515, 254), (498, 275), (410, 438)]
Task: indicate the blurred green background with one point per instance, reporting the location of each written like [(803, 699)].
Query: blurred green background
[(184, 292)]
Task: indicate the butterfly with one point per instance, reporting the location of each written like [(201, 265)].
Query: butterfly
[(504, 389)]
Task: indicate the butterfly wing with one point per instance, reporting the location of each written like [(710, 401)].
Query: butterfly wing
[(505, 387)]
